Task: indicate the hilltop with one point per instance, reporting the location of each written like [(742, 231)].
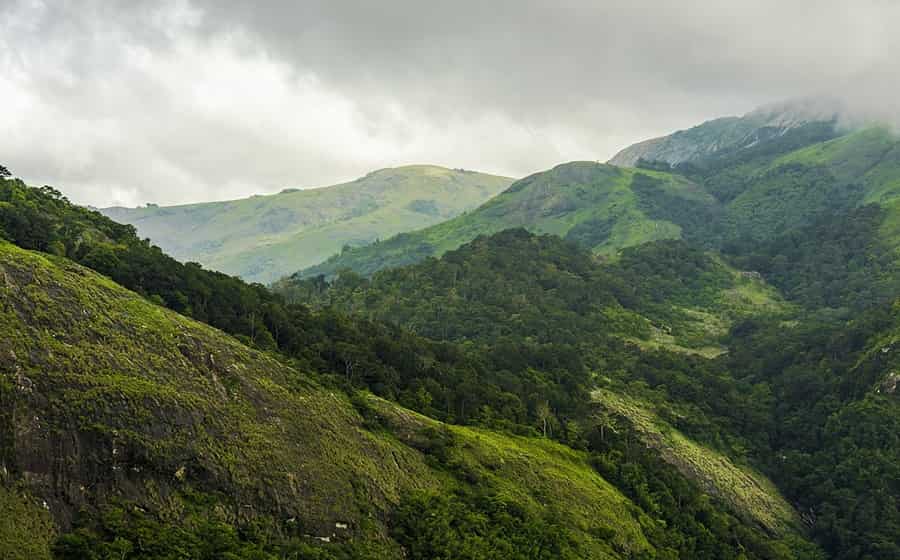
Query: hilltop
[(733, 134), (263, 238), (601, 207)]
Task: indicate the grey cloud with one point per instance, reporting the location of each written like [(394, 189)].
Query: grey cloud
[(197, 99)]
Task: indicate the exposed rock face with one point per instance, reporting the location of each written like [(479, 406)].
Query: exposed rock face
[(728, 133)]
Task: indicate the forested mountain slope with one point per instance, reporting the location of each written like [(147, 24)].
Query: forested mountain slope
[(718, 394), (149, 435), (262, 238), (805, 394), (515, 284)]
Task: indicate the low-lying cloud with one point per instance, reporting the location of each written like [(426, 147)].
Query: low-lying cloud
[(177, 101)]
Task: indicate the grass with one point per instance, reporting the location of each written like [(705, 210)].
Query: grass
[(116, 398), (574, 200), (263, 238), (537, 473), (743, 489)]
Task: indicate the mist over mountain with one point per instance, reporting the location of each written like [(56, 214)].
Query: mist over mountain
[(703, 339), (660, 322)]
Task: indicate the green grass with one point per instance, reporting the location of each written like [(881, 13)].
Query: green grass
[(537, 473), (743, 489), (116, 398), (263, 238), (589, 203)]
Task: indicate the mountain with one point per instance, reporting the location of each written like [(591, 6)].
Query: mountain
[(805, 394), (262, 238), (601, 207), (763, 205), (730, 133), (113, 402), (130, 431), (725, 389)]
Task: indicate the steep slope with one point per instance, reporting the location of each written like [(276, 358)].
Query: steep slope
[(749, 492), (108, 399), (834, 443), (262, 238), (731, 134), (600, 207), (820, 222), (817, 215), (164, 419)]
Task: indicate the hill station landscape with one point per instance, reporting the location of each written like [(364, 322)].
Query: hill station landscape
[(688, 350)]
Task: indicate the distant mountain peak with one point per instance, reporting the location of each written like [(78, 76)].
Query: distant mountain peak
[(761, 124)]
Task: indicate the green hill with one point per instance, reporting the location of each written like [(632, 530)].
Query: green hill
[(262, 238), (806, 395), (129, 431), (763, 205), (136, 427), (600, 207), (688, 360)]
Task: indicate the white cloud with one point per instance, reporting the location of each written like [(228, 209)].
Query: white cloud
[(168, 102)]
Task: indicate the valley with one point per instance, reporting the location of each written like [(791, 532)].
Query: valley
[(689, 352)]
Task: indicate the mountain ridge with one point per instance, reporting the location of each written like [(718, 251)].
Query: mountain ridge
[(730, 133), (596, 204), (263, 237)]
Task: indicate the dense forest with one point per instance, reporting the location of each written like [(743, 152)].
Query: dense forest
[(512, 332), (790, 396)]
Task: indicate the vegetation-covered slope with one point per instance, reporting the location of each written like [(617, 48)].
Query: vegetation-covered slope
[(517, 285), (262, 238), (124, 392), (598, 206), (807, 398), (818, 221), (745, 490), (514, 330), (110, 399), (731, 134), (833, 445), (151, 435)]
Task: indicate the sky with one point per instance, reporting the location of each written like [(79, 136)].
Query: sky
[(175, 101)]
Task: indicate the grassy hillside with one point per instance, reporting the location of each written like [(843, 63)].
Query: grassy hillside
[(600, 207), (109, 399), (749, 492), (262, 238)]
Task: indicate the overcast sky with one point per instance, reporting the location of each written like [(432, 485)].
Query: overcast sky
[(134, 101)]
